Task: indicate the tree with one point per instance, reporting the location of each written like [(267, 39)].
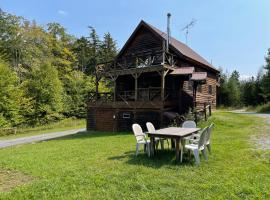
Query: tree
[(82, 51), (108, 48), (266, 78), (95, 53), (14, 106), (234, 89), (46, 90)]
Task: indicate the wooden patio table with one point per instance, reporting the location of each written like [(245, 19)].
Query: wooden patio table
[(172, 133)]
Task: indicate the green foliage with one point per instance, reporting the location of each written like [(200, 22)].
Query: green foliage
[(265, 108), (13, 104), (46, 92), (230, 89), (266, 78), (45, 88)]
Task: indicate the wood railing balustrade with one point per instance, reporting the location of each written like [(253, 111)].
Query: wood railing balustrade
[(138, 60), (144, 94), (206, 111)]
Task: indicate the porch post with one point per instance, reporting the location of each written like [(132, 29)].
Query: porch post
[(136, 87), (97, 80), (114, 89), (162, 92)]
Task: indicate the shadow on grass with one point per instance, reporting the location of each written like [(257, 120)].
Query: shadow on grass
[(90, 134), (162, 158)]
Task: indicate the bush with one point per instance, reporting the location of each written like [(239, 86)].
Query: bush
[(265, 108)]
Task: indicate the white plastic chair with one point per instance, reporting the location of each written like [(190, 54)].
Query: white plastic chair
[(189, 124), (141, 139), (208, 137), (151, 129), (200, 146)]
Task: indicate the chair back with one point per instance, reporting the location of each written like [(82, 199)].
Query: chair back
[(189, 124), (202, 139), (138, 132), (208, 135), (150, 127)]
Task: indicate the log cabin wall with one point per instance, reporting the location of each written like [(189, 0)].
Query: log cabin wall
[(144, 40), (120, 119), (206, 93)]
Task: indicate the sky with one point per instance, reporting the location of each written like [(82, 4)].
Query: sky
[(232, 34)]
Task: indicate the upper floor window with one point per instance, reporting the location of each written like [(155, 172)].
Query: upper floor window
[(210, 89)]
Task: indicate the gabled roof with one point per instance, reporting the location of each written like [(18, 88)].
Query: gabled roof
[(178, 46)]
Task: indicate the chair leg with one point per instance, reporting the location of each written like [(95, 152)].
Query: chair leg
[(196, 155), (205, 154), (148, 149), (137, 148), (209, 148), (181, 155), (168, 143), (157, 142)]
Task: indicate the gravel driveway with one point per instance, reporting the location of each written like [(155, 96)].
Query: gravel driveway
[(37, 138), (262, 140)]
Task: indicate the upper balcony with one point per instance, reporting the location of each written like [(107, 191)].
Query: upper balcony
[(146, 61), (147, 98)]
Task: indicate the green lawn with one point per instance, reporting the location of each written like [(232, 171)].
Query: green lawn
[(103, 166), (63, 125)]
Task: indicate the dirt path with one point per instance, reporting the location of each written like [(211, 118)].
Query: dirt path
[(37, 138), (262, 140)]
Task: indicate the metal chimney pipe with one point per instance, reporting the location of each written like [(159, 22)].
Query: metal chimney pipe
[(168, 31)]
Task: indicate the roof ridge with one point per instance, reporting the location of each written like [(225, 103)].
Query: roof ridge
[(182, 48)]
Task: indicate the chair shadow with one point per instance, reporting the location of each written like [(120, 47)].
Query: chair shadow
[(162, 158)]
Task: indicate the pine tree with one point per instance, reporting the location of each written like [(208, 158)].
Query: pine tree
[(266, 78)]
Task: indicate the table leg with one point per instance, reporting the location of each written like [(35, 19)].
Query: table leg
[(181, 143), (177, 150), (152, 150), (172, 143)]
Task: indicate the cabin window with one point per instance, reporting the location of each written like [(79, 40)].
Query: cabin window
[(126, 115), (200, 88), (210, 89)]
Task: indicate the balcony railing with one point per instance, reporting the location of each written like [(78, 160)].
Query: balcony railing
[(144, 94), (138, 60)]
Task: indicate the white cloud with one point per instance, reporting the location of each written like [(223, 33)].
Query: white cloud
[(62, 12)]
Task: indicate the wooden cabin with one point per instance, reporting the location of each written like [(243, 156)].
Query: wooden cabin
[(149, 80)]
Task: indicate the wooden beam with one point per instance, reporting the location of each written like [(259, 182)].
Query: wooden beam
[(136, 87)]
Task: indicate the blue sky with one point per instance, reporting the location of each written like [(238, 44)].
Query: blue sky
[(233, 34)]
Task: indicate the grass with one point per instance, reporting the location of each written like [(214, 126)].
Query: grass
[(65, 124), (103, 166)]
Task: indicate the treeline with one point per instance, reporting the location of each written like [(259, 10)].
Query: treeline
[(46, 73), (254, 91)]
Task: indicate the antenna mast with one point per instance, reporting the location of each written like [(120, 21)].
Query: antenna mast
[(187, 27)]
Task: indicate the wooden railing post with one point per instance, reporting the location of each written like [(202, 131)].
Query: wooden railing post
[(136, 87), (210, 110), (195, 116), (205, 111)]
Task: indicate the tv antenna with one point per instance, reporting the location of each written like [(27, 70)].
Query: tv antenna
[(187, 27)]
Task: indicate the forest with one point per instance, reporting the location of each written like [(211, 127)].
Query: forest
[(46, 73), (252, 93)]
